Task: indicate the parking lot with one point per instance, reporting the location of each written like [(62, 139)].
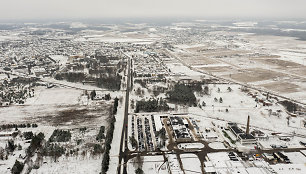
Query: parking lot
[(143, 129)]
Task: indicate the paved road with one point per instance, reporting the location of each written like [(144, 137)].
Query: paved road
[(124, 134)]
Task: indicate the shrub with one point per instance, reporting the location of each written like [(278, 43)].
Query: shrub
[(151, 105), (17, 167), (60, 136), (98, 149), (101, 134), (28, 135)]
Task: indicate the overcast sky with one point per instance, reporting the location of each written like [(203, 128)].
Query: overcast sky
[(53, 9)]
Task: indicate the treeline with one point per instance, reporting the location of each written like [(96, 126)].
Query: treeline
[(152, 105), (17, 167), (53, 150), (182, 94), (290, 106), (28, 135), (10, 126), (196, 86), (23, 80), (112, 82), (36, 143), (60, 136), (109, 138), (144, 82), (115, 108), (71, 77)]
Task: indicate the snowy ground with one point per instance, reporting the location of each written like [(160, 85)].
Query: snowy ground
[(73, 165), (190, 146), (276, 63), (191, 163), (217, 145), (60, 108), (239, 106), (289, 168), (151, 164), (54, 96)]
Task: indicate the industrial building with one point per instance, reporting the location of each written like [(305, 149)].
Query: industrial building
[(180, 130), (243, 137)]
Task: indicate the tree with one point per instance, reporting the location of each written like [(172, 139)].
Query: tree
[(290, 106), (219, 90), (229, 89), (133, 141), (152, 105), (35, 143), (1, 154), (221, 100), (97, 149), (107, 96), (132, 104), (183, 94), (60, 136), (203, 104), (11, 146), (138, 92), (28, 135), (139, 171), (115, 108), (17, 168), (162, 134), (93, 94), (19, 147), (138, 161), (105, 162), (101, 133)]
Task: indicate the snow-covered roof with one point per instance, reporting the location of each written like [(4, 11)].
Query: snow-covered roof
[(158, 123)]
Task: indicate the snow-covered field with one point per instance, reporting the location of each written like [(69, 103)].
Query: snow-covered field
[(289, 168), (151, 164), (262, 61), (59, 108), (73, 165), (55, 96), (239, 106), (191, 163), (48, 105), (180, 69)]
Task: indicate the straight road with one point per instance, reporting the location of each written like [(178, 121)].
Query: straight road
[(124, 134)]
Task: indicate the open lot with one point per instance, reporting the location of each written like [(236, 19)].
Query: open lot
[(58, 108)]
